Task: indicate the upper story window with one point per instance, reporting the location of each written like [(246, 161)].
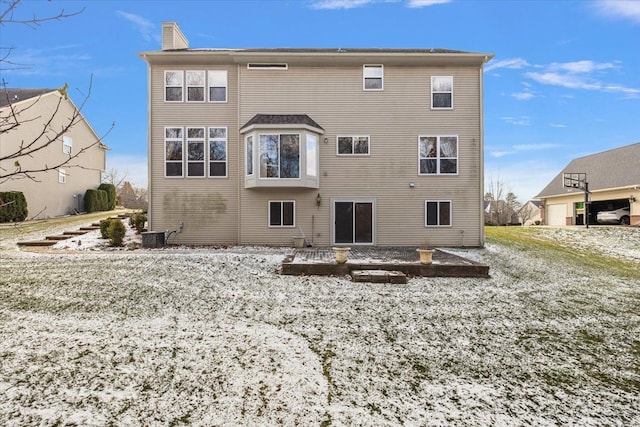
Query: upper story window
[(217, 85), (249, 154), (173, 139), (438, 155), (62, 176), (67, 145), (218, 152), (353, 145), (195, 152), (279, 155), (437, 213), (372, 77), (441, 92), (195, 86), (173, 84)]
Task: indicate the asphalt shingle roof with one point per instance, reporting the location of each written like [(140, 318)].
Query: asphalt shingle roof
[(619, 167), (282, 119), (11, 96)]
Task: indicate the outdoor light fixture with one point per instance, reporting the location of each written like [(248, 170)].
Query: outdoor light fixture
[(326, 140), (632, 199), (318, 200), (412, 184)]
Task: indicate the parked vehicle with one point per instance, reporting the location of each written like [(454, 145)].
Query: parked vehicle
[(616, 216)]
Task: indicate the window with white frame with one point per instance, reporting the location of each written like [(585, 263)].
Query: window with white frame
[(437, 213), (282, 213), (195, 86), (353, 145), (438, 154), (67, 145), (62, 176), (279, 155), (442, 92), (217, 85), (195, 152), (173, 84), (372, 77), (249, 142), (217, 152), (173, 141)]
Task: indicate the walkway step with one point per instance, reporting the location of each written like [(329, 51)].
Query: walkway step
[(58, 237), (91, 228), (74, 233), (379, 276), (38, 243)]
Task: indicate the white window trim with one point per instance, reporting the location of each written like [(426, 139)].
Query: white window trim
[(67, 145), (364, 77), (432, 92), (226, 152), (226, 86), (164, 95), (182, 141), (281, 213), (185, 155), (438, 225), (353, 154), (279, 134), (62, 176), (203, 86), (438, 158)]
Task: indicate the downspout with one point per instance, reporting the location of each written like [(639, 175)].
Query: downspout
[(481, 89), (240, 147), (149, 146)]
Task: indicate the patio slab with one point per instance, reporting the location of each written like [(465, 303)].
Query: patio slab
[(320, 261)]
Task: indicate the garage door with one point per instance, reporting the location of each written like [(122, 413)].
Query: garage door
[(557, 214)]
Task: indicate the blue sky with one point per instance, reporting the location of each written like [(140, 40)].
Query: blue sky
[(565, 81)]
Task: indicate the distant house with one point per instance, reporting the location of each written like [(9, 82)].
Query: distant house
[(613, 178), (498, 212), (346, 146), (43, 116), (530, 213)]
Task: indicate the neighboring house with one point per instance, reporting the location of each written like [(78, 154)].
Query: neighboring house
[(499, 213), (530, 213), (614, 182), (43, 114), (346, 146)]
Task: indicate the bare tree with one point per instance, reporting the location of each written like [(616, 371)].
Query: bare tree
[(115, 177), (502, 202), (526, 213), (50, 127)]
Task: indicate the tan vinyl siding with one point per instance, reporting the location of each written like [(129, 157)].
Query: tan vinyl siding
[(208, 207), (393, 118), (46, 197)]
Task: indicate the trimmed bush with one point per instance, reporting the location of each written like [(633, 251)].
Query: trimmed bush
[(16, 208), (104, 228), (137, 221), (116, 232), (110, 189), (95, 200)]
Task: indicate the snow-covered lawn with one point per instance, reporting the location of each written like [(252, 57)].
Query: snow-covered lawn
[(217, 337)]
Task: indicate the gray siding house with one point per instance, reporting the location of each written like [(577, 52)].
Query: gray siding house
[(614, 182), (43, 117), (342, 146)]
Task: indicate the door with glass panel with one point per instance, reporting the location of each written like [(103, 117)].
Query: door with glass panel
[(353, 222)]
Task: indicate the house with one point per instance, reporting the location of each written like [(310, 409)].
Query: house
[(530, 213), (342, 146), (58, 162), (613, 179), (499, 212)]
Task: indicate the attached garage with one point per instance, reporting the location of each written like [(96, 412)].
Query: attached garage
[(557, 214)]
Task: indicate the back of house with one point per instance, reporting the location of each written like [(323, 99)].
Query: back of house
[(340, 146)]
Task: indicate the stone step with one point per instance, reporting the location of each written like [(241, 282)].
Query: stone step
[(38, 243), (74, 233), (379, 276), (91, 228), (58, 237)]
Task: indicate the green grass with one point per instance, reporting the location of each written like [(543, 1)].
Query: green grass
[(529, 239)]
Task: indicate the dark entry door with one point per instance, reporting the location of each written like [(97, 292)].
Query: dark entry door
[(354, 222)]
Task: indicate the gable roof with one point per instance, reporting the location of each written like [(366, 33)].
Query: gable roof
[(11, 96), (616, 168), (277, 120)]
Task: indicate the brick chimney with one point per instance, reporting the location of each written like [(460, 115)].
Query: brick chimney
[(172, 37)]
